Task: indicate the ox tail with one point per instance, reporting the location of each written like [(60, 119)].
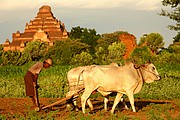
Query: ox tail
[(78, 80)]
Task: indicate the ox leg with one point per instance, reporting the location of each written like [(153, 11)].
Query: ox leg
[(84, 98), (90, 104), (75, 104), (125, 106), (116, 101), (72, 101), (131, 99), (105, 102)]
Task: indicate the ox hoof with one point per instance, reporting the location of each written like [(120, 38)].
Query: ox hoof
[(126, 108), (37, 109), (112, 112), (68, 106), (76, 109)]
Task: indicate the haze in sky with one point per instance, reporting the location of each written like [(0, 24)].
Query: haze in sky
[(137, 17)]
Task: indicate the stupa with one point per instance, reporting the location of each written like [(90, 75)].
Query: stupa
[(45, 27)]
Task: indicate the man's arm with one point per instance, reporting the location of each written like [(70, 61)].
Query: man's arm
[(35, 81)]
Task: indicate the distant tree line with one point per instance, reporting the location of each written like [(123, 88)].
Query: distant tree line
[(85, 47)]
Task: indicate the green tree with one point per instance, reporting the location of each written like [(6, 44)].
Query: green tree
[(101, 56), (168, 56), (1, 52), (116, 52), (154, 41), (36, 50), (25, 58), (142, 40), (88, 36), (11, 57), (174, 14), (63, 51), (141, 55), (82, 59), (107, 39), (164, 57), (174, 48), (177, 38), (76, 33)]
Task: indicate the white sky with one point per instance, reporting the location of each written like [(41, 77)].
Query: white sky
[(88, 4), (134, 16)]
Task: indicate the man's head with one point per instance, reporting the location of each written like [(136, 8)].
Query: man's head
[(47, 63)]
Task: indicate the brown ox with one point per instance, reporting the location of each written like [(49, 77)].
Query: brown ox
[(123, 80), (76, 83)]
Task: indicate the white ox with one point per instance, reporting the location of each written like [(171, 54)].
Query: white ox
[(123, 80), (76, 82)]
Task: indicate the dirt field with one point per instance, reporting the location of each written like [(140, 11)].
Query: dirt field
[(21, 106)]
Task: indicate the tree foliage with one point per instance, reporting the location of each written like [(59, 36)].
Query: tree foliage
[(116, 52), (36, 50), (167, 56), (174, 48), (108, 48), (108, 38), (177, 38), (101, 56), (82, 59), (63, 51), (1, 50), (154, 41), (141, 55), (10, 57), (88, 36), (174, 14)]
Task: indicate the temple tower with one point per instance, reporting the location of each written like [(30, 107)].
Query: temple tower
[(45, 27)]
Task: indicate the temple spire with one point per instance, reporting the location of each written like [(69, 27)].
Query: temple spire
[(52, 29)]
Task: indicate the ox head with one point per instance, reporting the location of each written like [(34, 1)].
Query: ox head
[(150, 73)]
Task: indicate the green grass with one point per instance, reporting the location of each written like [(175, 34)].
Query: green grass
[(160, 112), (53, 82)]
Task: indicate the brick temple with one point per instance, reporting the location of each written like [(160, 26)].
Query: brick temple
[(45, 27)]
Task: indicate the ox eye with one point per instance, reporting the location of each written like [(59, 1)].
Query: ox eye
[(153, 68)]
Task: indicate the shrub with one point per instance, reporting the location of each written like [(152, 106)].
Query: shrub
[(154, 41), (63, 51), (116, 52), (167, 57), (82, 59), (141, 55), (36, 50), (11, 57), (101, 56)]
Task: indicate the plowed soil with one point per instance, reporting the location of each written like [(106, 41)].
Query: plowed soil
[(21, 106)]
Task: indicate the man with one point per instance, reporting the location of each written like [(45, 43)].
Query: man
[(30, 80)]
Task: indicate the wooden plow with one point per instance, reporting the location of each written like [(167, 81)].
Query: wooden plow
[(63, 99)]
